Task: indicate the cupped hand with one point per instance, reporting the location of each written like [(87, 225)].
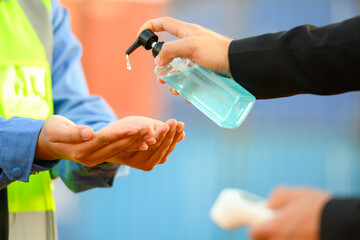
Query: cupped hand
[(298, 214), (60, 138), (167, 136)]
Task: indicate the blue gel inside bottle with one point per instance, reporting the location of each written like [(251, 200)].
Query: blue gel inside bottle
[(220, 98)]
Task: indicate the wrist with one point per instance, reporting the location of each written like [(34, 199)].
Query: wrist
[(43, 150), (226, 61)]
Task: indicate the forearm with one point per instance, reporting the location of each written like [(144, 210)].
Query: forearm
[(305, 59), (341, 220)]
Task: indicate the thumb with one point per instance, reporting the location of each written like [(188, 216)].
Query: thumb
[(63, 130), (178, 48), (72, 134)]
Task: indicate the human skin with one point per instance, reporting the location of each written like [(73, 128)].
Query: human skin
[(298, 210), (298, 215), (203, 46), (119, 142)]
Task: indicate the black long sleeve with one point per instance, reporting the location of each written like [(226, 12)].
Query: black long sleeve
[(307, 59), (340, 220)]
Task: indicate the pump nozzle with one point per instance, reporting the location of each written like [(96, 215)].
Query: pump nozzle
[(145, 39), (148, 40), (133, 47)]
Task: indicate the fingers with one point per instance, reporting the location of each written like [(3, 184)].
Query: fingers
[(108, 135), (105, 143), (160, 80), (162, 132), (160, 153), (201, 45), (111, 149), (282, 196), (177, 138), (135, 144), (264, 231), (142, 160), (142, 147), (166, 135), (173, 26), (182, 137), (178, 48), (173, 91), (152, 141)]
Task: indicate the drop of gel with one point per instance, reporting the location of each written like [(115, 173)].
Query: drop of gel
[(128, 66)]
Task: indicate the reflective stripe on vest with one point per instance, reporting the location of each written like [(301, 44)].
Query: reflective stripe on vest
[(25, 91)]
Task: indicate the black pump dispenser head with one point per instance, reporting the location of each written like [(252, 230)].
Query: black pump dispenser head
[(148, 40)]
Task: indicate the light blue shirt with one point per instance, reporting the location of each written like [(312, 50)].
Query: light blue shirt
[(18, 136)]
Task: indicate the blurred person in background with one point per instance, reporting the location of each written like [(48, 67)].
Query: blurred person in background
[(306, 59), (41, 75)]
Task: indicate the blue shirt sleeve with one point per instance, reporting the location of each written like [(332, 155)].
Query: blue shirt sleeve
[(18, 139), (72, 100)]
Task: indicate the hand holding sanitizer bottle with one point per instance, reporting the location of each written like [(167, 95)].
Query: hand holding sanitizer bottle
[(220, 98)]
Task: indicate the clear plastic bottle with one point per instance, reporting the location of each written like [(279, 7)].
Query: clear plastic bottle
[(220, 98)]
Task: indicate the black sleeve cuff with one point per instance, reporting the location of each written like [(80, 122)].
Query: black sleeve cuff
[(305, 59), (257, 64), (340, 220)]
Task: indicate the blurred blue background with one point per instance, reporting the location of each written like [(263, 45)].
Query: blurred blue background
[(301, 140)]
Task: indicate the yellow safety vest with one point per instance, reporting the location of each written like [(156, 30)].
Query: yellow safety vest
[(25, 79)]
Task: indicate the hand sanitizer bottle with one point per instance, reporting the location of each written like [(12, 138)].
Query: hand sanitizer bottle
[(220, 98)]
